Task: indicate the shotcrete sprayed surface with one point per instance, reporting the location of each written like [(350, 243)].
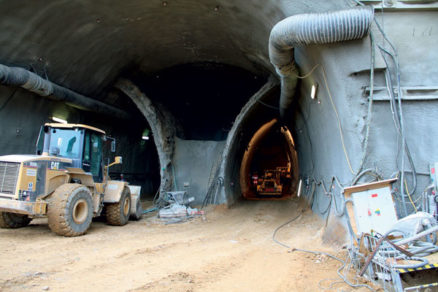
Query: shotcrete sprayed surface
[(227, 250)]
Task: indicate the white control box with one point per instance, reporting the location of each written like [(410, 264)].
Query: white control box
[(374, 210), (373, 207)]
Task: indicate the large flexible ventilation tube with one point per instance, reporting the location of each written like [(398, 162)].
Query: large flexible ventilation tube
[(16, 76), (307, 29)]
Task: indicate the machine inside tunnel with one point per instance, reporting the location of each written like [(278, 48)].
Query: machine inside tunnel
[(269, 168)]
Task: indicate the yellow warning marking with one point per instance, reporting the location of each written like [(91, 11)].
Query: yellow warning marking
[(425, 267), (428, 285)]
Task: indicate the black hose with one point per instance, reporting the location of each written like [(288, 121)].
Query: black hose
[(15, 76)]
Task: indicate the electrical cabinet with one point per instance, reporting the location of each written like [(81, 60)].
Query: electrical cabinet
[(373, 207), (374, 210)]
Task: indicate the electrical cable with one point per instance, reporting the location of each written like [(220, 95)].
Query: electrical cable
[(401, 132), (268, 105), (312, 195), (318, 253), (308, 74), (398, 127), (339, 121), (366, 171), (370, 105), (326, 193), (409, 195), (334, 282), (344, 278), (326, 209), (156, 197), (333, 198), (342, 212), (359, 3), (8, 100), (281, 226)]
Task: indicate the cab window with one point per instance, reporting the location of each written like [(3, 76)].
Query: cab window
[(92, 160), (65, 142)]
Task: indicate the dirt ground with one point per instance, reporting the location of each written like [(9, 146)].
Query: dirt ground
[(226, 250)]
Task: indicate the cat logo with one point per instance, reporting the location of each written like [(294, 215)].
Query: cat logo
[(54, 165)]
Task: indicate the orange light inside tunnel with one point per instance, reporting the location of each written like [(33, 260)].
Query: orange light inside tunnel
[(269, 168)]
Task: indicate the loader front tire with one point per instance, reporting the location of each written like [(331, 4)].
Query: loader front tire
[(70, 210), (12, 220), (118, 213)]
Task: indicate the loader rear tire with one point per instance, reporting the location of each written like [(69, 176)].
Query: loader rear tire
[(12, 220), (118, 213), (70, 210)]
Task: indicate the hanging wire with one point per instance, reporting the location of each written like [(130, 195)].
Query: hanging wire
[(338, 120), (268, 105), (370, 106), (308, 74)]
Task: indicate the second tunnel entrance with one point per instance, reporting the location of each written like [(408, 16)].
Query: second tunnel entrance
[(269, 168)]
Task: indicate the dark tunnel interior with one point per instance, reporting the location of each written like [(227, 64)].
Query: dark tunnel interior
[(205, 98)]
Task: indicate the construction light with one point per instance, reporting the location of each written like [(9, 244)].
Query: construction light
[(59, 120), (313, 91)]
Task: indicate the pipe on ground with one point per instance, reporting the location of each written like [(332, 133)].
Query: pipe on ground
[(15, 76), (308, 29)]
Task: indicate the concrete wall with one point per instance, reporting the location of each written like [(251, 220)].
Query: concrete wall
[(347, 72), (195, 163)]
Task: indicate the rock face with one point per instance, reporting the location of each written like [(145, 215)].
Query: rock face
[(91, 46)]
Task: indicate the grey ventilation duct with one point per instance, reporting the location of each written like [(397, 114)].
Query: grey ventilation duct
[(307, 29), (16, 76)]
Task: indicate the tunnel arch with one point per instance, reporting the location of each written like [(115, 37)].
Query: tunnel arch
[(288, 155), (170, 123), (258, 111), (161, 127)]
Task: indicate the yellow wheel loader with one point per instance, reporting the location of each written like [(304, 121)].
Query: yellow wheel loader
[(66, 181)]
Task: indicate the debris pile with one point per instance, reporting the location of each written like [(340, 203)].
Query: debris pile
[(177, 209)]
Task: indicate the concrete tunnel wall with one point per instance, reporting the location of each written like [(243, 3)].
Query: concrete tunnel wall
[(86, 46)]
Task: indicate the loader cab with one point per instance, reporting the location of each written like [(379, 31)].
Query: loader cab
[(80, 143)]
